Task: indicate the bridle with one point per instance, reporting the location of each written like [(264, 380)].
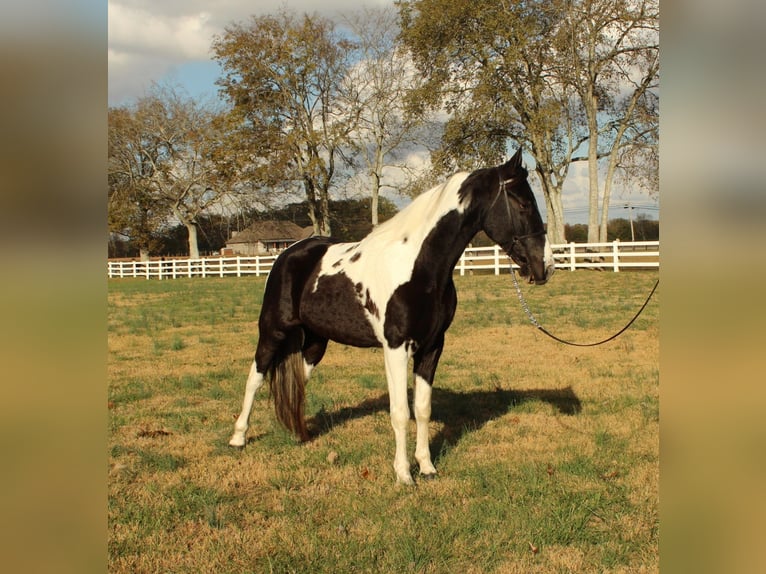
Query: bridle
[(502, 189)]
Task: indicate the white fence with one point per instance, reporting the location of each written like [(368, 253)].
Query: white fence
[(613, 256)]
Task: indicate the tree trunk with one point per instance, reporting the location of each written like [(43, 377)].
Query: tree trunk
[(374, 205), (191, 227), (592, 169), (311, 202), (376, 173), (611, 168), (555, 219), (143, 253), (593, 194), (324, 206), (374, 195), (554, 209)]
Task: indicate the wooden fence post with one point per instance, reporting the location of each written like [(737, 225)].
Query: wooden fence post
[(572, 253)]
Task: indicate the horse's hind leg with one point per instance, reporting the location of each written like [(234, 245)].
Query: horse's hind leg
[(263, 357), (254, 382), (313, 350)]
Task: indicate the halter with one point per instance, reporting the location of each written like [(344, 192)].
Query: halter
[(503, 190)]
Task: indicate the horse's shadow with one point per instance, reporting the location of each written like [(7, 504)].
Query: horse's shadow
[(459, 412)]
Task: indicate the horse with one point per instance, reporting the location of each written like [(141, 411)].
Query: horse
[(393, 289)]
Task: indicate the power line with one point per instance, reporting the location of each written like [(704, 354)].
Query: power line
[(611, 207)]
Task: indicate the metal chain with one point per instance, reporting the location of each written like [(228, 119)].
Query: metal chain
[(534, 321), (522, 300)]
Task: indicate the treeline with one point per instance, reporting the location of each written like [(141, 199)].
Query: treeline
[(350, 221), (644, 229)]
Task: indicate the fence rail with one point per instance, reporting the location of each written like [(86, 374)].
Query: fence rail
[(613, 256)]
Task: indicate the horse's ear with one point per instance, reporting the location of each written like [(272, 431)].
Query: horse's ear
[(515, 162), (513, 165)]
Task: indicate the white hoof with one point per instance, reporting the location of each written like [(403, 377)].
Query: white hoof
[(237, 440), (427, 467), (404, 478)]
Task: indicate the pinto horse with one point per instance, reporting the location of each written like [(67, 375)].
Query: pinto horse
[(393, 289)]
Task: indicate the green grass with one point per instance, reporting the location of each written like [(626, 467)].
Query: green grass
[(538, 446)]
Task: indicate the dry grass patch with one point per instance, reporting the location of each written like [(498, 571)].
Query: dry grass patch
[(534, 442)]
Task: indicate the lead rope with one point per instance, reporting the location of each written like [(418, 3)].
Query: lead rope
[(552, 336)]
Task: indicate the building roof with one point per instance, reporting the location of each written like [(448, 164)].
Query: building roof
[(268, 231)]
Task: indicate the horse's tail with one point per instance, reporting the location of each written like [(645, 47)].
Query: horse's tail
[(287, 382)]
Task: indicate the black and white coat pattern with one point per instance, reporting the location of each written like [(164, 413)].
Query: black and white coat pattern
[(393, 289)]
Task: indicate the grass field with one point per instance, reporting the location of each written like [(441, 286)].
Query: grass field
[(548, 455)]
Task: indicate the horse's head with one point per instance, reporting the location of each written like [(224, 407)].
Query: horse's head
[(513, 221)]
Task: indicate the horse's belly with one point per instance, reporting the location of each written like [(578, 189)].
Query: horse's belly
[(337, 310)]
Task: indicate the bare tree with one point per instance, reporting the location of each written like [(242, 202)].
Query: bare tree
[(283, 75), (133, 210), (610, 55), (165, 156), (638, 164), (379, 86)]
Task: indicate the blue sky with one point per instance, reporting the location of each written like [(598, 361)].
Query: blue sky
[(169, 42)]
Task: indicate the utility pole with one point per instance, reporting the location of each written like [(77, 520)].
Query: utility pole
[(629, 207)]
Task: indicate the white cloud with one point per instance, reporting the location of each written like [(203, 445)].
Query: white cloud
[(149, 39), (138, 32)]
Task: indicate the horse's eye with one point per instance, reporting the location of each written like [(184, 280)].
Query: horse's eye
[(523, 207)]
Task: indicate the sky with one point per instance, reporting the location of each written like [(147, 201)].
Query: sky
[(169, 42)]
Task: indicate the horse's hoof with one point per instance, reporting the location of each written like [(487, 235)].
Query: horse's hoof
[(237, 443), (429, 476), (405, 480)]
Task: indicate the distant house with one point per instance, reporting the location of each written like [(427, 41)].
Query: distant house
[(265, 238)]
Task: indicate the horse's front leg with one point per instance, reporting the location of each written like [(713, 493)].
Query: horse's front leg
[(425, 369), (396, 375), (422, 408)]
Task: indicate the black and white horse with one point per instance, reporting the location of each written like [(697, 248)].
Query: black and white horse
[(393, 289)]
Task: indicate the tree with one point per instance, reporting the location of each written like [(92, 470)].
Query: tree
[(610, 56), (133, 211), (492, 64), (283, 76), (164, 161), (380, 84)]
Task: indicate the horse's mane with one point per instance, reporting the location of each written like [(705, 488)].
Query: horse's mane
[(418, 218)]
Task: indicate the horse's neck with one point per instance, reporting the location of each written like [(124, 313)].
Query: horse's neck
[(442, 250), (462, 237), (438, 222)]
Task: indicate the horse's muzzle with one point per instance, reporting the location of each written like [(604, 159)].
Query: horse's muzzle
[(549, 271)]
